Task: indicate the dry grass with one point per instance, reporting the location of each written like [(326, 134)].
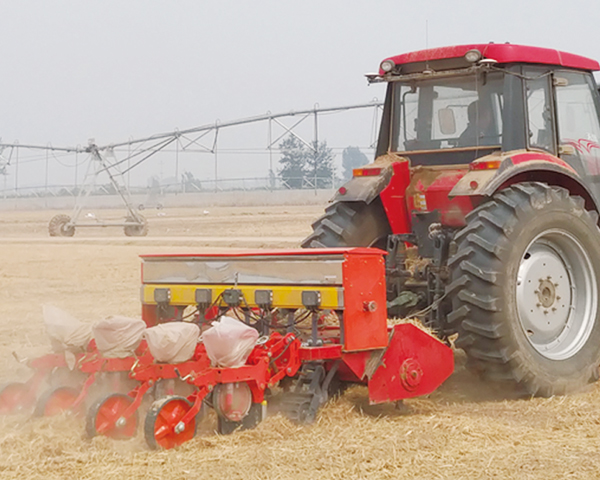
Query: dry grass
[(550, 438), (465, 430)]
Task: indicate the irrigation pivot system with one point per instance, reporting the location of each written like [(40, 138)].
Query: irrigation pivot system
[(103, 160)]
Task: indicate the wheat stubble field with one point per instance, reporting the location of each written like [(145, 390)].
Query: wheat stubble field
[(464, 430)]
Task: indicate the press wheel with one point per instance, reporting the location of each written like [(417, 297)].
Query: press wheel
[(106, 418), (14, 398), (163, 427), (55, 401)]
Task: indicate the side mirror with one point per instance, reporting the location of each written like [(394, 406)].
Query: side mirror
[(447, 121), (566, 149), (560, 82)]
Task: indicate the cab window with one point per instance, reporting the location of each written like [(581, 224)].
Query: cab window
[(451, 112), (539, 110), (577, 120)]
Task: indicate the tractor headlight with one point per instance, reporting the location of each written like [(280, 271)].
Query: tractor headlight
[(387, 65), (473, 55)]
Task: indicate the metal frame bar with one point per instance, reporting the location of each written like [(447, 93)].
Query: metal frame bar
[(139, 149)]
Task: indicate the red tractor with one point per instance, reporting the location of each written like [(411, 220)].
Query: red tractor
[(485, 192)]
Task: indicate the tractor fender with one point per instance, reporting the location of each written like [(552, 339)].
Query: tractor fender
[(368, 187), (518, 166)]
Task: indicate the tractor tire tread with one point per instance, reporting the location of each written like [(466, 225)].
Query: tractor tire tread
[(477, 307), (57, 226), (350, 224)]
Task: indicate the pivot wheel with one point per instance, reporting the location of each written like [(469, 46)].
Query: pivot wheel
[(526, 276), (59, 226), (55, 401), (138, 227), (106, 417), (15, 398), (163, 427), (350, 224)]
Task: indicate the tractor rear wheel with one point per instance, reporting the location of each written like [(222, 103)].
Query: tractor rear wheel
[(525, 278), (350, 224)]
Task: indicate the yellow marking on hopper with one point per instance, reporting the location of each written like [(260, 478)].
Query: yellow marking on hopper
[(284, 296)]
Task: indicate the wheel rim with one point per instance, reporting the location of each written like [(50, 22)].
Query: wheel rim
[(557, 294), (109, 419), (59, 400), (169, 431), (14, 398)]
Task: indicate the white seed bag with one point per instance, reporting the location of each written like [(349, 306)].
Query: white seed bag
[(118, 337), (229, 342), (67, 334), (172, 342)]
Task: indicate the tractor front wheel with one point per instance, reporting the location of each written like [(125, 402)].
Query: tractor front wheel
[(525, 285)]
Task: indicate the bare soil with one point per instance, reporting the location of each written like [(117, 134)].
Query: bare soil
[(464, 430)]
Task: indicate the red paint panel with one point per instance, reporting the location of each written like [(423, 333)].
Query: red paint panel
[(453, 211), (356, 363), (519, 158), (414, 364), (364, 282), (326, 352), (393, 198), (502, 53), (99, 364), (50, 361), (436, 186), (149, 315)]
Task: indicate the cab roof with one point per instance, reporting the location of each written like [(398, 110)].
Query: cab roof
[(502, 53)]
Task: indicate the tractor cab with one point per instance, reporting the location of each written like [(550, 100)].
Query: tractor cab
[(452, 105)]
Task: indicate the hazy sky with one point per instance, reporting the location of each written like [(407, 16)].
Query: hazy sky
[(114, 69)]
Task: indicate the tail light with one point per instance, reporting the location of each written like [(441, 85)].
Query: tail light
[(485, 165), (366, 172)]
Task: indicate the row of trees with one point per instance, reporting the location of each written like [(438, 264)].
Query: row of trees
[(313, 163)]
